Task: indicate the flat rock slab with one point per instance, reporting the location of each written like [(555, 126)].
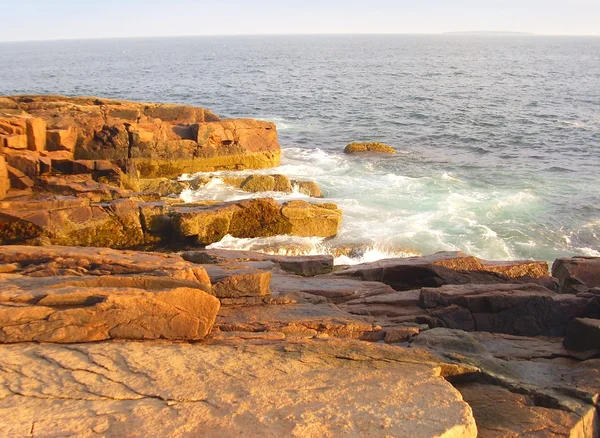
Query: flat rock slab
[(336, 289), (501, 413), (553, 381), (50, 261), (67, 295), (72, 313), (228, 388), (298, 320), (446, 268)]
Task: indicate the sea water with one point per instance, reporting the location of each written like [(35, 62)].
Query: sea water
[(498, 138)]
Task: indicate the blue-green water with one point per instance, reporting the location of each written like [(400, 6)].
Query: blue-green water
[(498, 138)]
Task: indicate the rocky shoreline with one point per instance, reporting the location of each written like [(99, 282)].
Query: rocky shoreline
[(115, 320)]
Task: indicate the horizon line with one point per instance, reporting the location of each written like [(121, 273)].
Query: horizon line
[(448, 33)]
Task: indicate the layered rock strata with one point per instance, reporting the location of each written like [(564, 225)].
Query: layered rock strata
[(93, 219), (161, 140)]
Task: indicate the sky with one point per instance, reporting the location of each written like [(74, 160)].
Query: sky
[(31, 20)]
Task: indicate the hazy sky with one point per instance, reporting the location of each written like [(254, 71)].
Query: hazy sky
[(59, 19)]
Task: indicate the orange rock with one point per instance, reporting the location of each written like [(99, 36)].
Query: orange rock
[(4, 181)]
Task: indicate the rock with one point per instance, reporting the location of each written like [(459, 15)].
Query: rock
[(66, 295), (583, 334), (18, 180), (389, 307), (282, 184), (400, 334), (163, 186), (48, 260), (526, 310), (379, 148), (446, 268), (567, 389), (335, 289), (308, 188), (96, 218), (298, 320), (27, 162), (236, 282), (81, 186), (309, 388), (308, 220), (4, 179), (61, 139), (15, 142), (163, 140), (577, 274), (69, 314), (256, 218), (36, 134), (73, 222), (500, 412), (258, 183), (307, 266)]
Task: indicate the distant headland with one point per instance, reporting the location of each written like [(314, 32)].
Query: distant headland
[(489, 33)]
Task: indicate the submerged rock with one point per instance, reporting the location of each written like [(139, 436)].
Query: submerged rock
[(257, 183), (380, 148)]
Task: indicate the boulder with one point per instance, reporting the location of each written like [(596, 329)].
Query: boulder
[(447, 268), (258, 183), (380, 148), (256, 218), (223, 388), (238, 282), (577, 274), (583, 334), (307, 266), (308, 188)]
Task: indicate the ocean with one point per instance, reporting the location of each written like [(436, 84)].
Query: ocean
[(498, 138)]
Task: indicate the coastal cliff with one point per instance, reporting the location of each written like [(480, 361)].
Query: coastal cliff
[(99, 336), (162, 140)]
